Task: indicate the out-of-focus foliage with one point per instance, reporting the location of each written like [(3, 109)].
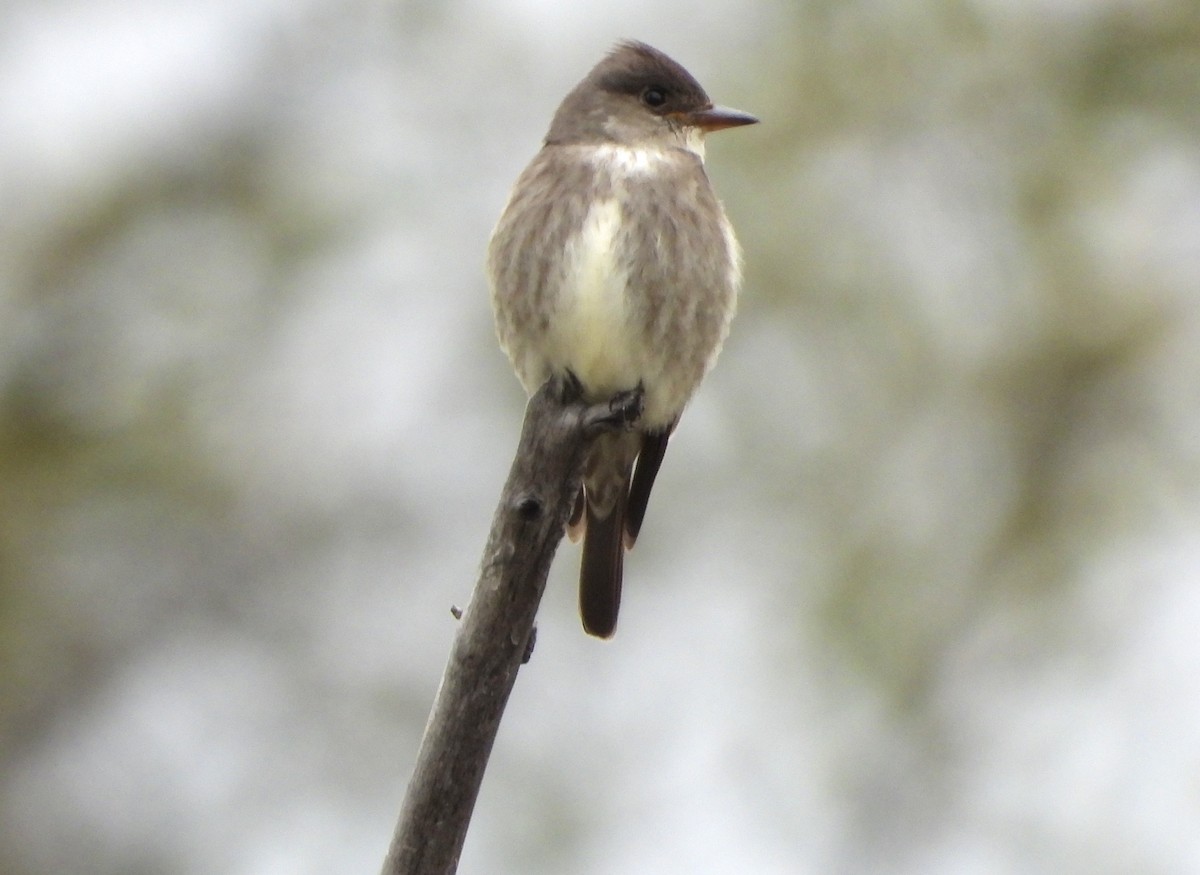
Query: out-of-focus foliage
[(917, 591)]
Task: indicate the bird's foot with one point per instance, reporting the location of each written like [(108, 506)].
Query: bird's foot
[(626, 407), (570, 388), (621, 412), (618, 413)]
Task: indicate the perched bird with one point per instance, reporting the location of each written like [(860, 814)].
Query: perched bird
[(613, 260)]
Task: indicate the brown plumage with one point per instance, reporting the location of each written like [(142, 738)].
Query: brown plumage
[(613, 259)]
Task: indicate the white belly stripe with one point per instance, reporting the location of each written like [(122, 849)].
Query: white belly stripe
[(590, 333)]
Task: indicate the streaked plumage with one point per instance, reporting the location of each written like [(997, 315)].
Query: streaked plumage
[(613, 259)]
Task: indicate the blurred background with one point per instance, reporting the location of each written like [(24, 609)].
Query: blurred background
[(920, 582)]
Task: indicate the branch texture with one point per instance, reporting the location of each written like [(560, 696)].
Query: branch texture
[(495, 635)]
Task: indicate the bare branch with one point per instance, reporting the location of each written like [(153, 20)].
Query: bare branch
[(495, 635)]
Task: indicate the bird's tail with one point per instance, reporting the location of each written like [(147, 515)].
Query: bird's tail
[(601, 567)]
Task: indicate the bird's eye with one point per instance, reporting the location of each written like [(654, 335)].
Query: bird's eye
[(654, 97)]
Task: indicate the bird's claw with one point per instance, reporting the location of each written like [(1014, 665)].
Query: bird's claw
[(570, 389), (625, 408)]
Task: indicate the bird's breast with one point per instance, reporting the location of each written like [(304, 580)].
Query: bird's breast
[(632, 283), (591, 327)]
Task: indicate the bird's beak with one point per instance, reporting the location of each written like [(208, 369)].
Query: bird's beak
[(717, 118)]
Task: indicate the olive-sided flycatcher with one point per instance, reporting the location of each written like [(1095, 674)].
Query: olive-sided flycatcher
[(614, 261)]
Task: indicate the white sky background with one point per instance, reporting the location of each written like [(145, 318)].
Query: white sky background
[(838, 651)]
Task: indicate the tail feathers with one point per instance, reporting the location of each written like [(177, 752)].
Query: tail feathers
[(576, 522), (654, 447), (600, 570)]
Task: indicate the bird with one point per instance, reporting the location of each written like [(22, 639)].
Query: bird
[(613, 263)]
